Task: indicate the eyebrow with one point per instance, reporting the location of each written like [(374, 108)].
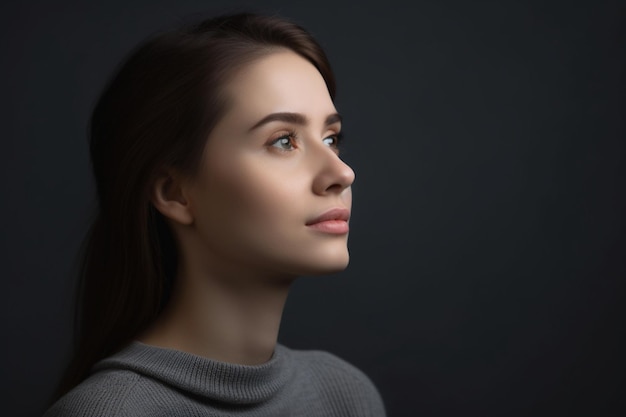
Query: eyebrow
[(295, 118)]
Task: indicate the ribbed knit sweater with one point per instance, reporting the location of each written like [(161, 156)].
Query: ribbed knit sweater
[(145, 380)]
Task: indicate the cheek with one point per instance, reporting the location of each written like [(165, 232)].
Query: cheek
[(251, 190)]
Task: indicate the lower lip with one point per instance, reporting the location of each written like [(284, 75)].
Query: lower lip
[(338, 227)]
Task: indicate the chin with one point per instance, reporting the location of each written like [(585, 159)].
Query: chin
[(310, 259), (330, 264)]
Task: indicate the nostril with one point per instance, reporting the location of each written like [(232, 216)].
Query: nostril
[(335, 188)]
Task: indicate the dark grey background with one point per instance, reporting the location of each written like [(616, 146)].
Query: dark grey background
[(489, 234)]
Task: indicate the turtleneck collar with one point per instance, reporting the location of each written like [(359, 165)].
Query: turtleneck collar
[(197, 375)]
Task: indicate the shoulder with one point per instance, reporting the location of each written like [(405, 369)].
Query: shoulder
[(342, 382), (102, 394)]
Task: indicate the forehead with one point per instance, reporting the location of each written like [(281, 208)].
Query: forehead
[(279, 82)]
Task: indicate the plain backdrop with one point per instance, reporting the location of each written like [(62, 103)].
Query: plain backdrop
[(488, 237)]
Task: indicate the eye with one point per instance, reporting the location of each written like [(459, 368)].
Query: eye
[(285, 142), (333, 140)]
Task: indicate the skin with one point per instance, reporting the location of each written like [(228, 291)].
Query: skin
[(241, 223)]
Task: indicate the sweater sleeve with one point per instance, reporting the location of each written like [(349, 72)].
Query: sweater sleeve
[(345, 388)]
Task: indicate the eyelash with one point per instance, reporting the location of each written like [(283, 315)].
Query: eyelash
[(292, 136)]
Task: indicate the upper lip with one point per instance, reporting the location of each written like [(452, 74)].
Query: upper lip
[(337, 213)]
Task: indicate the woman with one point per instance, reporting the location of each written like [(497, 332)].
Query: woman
[(215, 154)]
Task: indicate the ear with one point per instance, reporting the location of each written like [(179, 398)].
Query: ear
[(168, 197)]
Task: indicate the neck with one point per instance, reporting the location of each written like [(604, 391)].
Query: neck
[(228, 319)]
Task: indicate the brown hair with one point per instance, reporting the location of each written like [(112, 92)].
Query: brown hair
[(157, 112)]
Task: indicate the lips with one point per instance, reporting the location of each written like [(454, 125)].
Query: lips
[(331, 222), (341, 214)]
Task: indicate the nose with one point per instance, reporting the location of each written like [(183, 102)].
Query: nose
[(333, 175)]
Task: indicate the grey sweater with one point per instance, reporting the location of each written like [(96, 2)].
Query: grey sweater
[(144, 380)]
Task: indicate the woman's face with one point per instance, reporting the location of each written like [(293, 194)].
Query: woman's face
[(269, 169)]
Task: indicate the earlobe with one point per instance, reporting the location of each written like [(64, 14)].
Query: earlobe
[(168, 198)]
